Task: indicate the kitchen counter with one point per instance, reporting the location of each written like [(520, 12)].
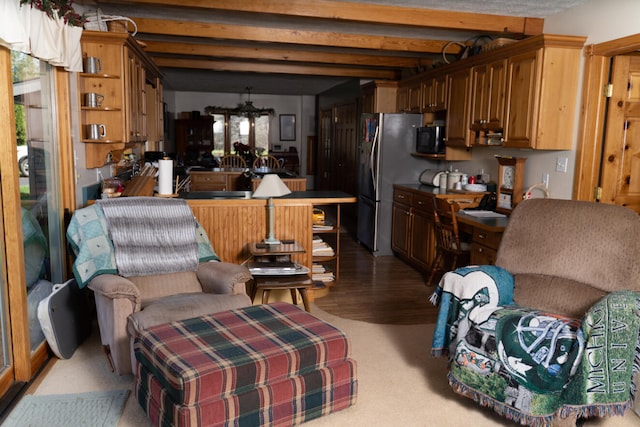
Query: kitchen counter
[(314, 197)]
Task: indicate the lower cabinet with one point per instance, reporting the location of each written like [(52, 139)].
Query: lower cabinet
[(484, 246), (412, 236)]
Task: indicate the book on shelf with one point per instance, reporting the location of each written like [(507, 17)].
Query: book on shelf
[(322, 227), (323, 277)]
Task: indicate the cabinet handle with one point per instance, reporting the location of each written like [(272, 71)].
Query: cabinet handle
[(480, 250), (400, 196), (420, 203), (482, 236)]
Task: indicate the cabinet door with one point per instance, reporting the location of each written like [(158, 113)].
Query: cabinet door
[(136, 117), (415, 97), (401, 224), (422, 240), (488, 96), (434, 94), (458, 132), (403, 99), (522, 99)]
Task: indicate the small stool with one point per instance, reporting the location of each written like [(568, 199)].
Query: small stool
[(299, 282)]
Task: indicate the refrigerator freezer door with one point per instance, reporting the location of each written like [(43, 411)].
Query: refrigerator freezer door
[(369, 129), (368, 223)]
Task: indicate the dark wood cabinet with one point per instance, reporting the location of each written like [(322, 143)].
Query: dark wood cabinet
[(194, 138), (412, 236)]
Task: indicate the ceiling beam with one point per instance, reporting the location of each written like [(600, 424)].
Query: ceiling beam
[(277, 35), (368, 13), (287, 55), (310, 70)]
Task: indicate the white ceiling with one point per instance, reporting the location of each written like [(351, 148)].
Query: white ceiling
[(213, 77)]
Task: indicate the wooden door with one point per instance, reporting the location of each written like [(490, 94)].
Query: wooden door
[(344, 162), (324, 148), (620, 173)]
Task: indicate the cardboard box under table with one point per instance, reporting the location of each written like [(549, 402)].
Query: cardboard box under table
[(261, 365)]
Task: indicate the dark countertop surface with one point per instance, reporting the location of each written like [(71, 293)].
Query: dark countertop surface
[(328, 196)]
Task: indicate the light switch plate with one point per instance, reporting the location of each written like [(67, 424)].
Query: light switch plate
[(561, 164)]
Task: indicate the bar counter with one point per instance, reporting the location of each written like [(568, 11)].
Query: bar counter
[(232, 219)]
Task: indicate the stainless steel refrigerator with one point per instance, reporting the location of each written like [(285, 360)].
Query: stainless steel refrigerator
[(385, 147)]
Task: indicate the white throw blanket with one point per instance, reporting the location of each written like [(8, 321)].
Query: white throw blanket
[(151, 235)]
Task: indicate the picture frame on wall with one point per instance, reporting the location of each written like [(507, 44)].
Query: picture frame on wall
[(287, 127)]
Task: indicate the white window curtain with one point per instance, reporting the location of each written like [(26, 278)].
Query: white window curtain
[(31, 31)]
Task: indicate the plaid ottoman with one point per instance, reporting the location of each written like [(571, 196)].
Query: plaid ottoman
[(273, 365)]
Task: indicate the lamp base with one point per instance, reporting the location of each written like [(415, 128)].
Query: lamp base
[(271, 241)]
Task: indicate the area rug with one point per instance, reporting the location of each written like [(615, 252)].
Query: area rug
[(100, 408)]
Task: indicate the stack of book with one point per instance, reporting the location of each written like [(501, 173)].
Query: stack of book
[(321, 248), (322, 227), (319, 272)]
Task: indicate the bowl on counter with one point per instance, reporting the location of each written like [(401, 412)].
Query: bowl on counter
[(475, 188)]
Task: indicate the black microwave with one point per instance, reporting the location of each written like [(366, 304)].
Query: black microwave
[(430, 139)]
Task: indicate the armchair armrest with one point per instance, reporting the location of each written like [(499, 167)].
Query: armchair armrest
[(113, 287), (223, 277)]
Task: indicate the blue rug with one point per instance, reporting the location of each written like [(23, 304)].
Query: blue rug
[(102, 408)]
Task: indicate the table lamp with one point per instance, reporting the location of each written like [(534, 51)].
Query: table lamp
[(271, 186)]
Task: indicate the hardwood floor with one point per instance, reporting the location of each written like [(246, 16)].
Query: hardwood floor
[(377, 289)]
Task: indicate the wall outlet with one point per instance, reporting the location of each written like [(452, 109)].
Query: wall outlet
[(561, 164), (545, 179)]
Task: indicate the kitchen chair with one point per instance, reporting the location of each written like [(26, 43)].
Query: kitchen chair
[(448, 242), (233, 161), (268, 161)]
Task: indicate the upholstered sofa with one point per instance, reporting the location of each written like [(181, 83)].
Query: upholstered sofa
[(561, 264)]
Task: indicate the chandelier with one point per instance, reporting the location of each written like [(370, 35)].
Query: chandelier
[(248, 110)]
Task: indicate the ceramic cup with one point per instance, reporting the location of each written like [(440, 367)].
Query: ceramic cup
[(96, 131), (92, 65), (93, 99)]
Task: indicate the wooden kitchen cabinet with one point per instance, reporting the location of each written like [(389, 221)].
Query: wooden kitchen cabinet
[(484, 246), (458, 133), (489, 83), (542, 88), (194, 137), (410, 96), (379, 97), (122, 81), (434, 94), (412, 234)]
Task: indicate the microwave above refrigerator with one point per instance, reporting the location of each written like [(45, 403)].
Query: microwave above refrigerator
[(430, 139)]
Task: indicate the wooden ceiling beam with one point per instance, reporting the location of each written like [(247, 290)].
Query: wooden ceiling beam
[(256, 67), (287, 36), (287, 55), (368, 13)]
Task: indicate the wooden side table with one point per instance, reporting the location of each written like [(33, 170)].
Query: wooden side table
[(273, 269)]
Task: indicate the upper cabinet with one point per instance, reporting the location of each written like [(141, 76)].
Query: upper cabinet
[(410, 96), (434, 94), (458, 106), (542, 88), (522, 95), (114, 95), (379, 97), (489, 83)]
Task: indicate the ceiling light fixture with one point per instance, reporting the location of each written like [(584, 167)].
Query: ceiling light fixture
[(248, 110)]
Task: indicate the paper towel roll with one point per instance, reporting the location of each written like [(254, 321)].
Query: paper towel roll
[(165, 176)]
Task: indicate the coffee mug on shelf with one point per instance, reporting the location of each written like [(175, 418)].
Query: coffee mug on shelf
[(92, 65), (96, 131), (93, 99)]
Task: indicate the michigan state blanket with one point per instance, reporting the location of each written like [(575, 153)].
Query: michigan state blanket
[(532, 366)]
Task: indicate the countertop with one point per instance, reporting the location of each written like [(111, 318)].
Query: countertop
[(316, 197)]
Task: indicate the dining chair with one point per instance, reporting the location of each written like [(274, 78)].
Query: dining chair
[(233, 161), (267, 161), (448, 242)]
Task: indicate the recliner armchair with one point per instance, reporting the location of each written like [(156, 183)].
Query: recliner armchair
[(525, 337), (127, 305)]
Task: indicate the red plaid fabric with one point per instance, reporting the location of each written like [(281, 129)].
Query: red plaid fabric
[(259, 365)]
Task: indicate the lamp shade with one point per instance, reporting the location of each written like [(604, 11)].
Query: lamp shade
[(271, 186)]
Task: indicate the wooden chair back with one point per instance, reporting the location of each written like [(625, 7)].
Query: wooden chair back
[(233, 161), (268, 161), (446, 225)]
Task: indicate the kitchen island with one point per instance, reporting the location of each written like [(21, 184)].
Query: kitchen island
[(232, 219)]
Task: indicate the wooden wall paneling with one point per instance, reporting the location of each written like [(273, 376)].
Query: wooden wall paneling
[(232, 225)]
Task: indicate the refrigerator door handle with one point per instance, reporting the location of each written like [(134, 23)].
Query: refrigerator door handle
[(372, 156)]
